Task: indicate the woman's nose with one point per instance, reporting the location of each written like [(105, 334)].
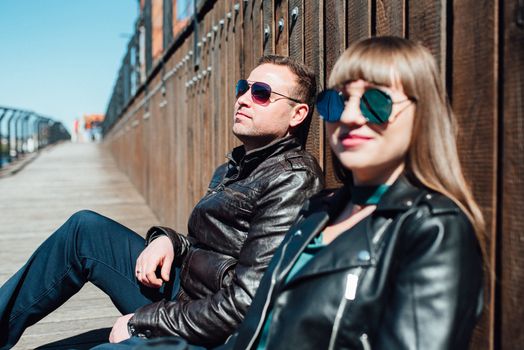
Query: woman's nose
[(352, 113)]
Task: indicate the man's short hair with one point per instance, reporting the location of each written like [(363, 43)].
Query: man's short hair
[(305, 88)]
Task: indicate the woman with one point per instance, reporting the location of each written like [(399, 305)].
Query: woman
[(393, 259)]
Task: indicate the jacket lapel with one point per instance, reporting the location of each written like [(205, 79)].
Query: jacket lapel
[(299, 240), (321, 212), (350, 249)]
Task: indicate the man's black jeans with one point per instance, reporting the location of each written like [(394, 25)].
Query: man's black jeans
[(87, 248)]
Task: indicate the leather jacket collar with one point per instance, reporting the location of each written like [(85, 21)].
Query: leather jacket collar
[(400, 196), (247, 161)]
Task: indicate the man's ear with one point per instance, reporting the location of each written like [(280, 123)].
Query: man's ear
[(300, 112)]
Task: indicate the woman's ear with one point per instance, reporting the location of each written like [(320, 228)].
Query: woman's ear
[(300, 112)]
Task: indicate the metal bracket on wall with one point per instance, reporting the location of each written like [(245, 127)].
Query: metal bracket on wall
[(294, 14), (520, 14), (267, 31), (281, 25)]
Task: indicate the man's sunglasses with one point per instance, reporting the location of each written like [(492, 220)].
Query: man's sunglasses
[(261, 92), (375, 105)]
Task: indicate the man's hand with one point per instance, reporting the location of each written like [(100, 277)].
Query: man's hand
[(158, 253), (119, 332)]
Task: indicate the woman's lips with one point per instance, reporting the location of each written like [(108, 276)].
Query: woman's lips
[(353, 140)]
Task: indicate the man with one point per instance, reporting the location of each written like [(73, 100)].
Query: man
[(233, 231)]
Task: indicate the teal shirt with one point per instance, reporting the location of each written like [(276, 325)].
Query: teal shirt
[(309, 253)]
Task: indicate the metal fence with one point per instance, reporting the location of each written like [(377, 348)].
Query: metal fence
[(169, 119), (23, 132)]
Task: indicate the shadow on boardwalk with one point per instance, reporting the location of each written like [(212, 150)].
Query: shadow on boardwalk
[(36, 201)]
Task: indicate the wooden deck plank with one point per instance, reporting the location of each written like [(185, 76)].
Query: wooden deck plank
[(36, 201)]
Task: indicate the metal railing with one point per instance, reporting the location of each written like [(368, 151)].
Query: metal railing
[(23, 132)]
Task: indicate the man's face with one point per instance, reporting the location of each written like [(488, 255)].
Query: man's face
[(258, 124)]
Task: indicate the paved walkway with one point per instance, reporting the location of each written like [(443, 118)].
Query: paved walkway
[(35, 201)]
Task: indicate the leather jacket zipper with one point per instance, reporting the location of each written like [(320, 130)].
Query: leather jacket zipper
[(338, 318), (336, 324), (364, 340)]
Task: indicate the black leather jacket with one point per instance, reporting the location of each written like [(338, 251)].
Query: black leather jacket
[(415, 264), (233, 232)]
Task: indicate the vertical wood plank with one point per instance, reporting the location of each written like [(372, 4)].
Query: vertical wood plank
[(358, 20), (239, 71), (184, 133), (511, 234), (475, 31), (180, 134), (247, 42), (281, 21), (335, 44), (151, 152), (214, 85), (171, 117), (296, 30), (426, 24), (269, 27), (314, 57), (209, 128), (335, 29), (390, 17)]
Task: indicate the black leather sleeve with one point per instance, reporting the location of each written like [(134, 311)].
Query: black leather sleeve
[(181, 243), (211, 320), (435, 300)]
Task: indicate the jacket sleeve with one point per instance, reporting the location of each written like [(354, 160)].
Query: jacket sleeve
[(181, 243), (211, 320), (437, 295)]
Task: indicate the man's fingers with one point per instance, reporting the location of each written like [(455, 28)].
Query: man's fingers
[(166, 268), (153, 279), (112, 334)]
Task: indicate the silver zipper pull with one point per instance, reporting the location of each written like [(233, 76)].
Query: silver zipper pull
[(364, 340), (351, 286)]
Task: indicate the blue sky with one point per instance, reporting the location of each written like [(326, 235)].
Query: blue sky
[(60, 58)]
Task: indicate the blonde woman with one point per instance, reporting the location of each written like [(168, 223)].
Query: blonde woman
[(393, 259)]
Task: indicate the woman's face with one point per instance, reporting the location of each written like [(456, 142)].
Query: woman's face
[(375, 153)]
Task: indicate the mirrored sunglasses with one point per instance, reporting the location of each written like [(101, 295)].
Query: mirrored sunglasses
[(375, 105)]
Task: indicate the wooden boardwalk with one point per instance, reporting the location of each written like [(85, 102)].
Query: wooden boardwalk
[(39, 198)]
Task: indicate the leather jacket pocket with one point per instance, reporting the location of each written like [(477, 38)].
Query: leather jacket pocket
[(210, 271)]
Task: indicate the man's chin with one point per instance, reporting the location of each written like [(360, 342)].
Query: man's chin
[(240, 130)]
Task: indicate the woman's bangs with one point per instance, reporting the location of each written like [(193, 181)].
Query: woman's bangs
[(369, 65)]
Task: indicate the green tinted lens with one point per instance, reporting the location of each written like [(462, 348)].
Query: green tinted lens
[(375, 106)]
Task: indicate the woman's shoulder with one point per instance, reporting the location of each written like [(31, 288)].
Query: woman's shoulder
[(437, 218), (406, 193), (438, 203)]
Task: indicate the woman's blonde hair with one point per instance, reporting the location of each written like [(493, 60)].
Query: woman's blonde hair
[(432, 158)]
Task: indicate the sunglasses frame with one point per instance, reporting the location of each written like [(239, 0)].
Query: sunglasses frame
[(324, 106), (267, 87)]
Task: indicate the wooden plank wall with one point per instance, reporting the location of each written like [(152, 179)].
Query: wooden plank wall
[(510, 177), (177, 130)]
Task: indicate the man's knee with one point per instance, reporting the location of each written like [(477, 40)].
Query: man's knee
[(85, 216), (86, 223)]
